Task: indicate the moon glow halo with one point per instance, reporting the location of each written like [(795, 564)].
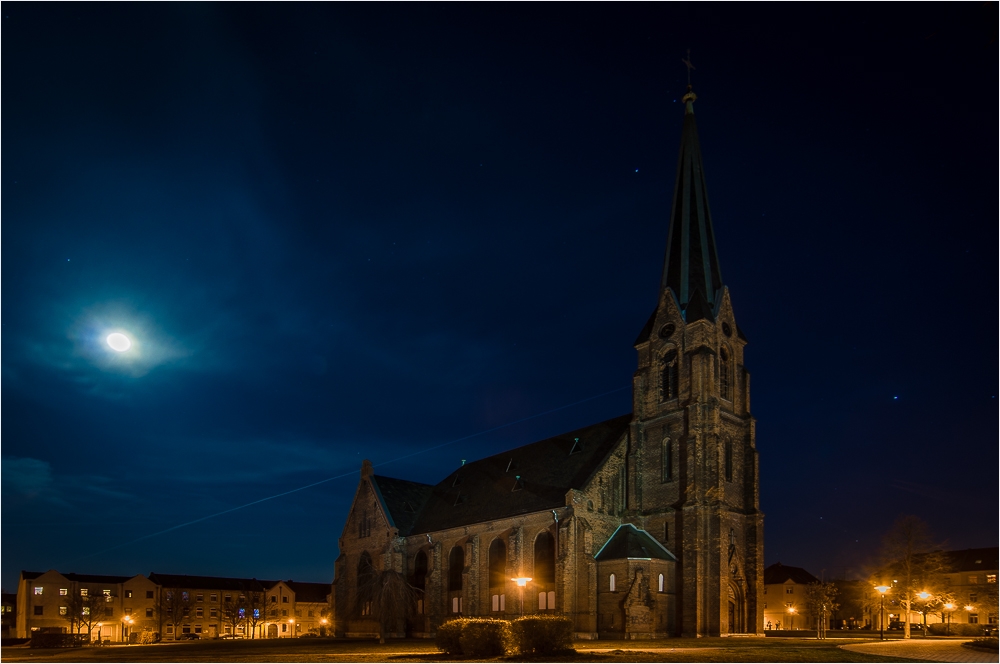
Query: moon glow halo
[(119, 342)]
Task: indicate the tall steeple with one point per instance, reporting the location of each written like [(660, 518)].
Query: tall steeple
[(691, 266)]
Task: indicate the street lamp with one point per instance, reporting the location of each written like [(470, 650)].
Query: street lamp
[(521, 582), (99, 625), (882, 590), (791, 614), (291, 629), (950, 607)]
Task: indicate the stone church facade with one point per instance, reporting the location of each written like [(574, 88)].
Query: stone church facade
[(643, 526)]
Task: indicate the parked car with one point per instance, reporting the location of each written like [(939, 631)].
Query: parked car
[(189, 637)]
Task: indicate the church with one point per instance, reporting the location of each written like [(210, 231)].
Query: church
[(643, 526)]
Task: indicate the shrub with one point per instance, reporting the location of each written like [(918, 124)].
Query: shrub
[(955, 629), (984, 644), (55, 640), (485, 637), (542, 634), (449, 636)]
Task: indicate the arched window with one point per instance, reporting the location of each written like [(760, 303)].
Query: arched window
[(545, 559), (498, 564), (366, 581), (659, 584), (668, 376), (611, 583), (725, 383), (667, 461), (420, 571), (456, 563), (729, 460)]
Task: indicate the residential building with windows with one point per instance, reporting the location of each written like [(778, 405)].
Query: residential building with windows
[(143, 609), (49, 601), (8, 612), (785, 598)]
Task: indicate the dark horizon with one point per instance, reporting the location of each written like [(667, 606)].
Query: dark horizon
[(425, 233)]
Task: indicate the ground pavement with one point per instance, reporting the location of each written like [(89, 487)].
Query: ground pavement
[(928, 650)]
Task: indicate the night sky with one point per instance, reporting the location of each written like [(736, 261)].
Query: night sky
[(426, 233)]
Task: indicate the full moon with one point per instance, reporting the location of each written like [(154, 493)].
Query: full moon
[(119, 342)]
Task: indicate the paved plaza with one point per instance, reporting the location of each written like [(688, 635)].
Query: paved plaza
[(927, 650)]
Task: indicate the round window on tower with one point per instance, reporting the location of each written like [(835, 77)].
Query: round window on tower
[(667, 331), (726, 330)]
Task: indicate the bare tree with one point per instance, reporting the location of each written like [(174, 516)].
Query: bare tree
[(74, 610), (175, 607), (234, 611), (820, 602), (256, 603), (92, 608), (390, 598), (909, 563)]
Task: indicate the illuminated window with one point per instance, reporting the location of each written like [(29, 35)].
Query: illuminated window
[(256, 614), (86, 610), (65, 591), (243, 614), (185, 597), (38, 590), (106, 592), (974, 579), (84, 592), (128, 593), (991, 578), (611, 583), (659, 583), (63, 610)]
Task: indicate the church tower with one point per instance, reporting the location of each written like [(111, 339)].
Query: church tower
[(692, 460)]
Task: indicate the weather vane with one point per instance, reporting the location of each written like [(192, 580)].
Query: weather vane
[(687, 62)]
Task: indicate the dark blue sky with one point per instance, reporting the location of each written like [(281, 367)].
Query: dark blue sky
[(347, 231)]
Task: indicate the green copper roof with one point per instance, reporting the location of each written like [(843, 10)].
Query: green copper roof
[(691, 262)]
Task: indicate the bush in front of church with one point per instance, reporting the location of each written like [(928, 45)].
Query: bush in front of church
[(449, 635), (485, 637), (542, 634)]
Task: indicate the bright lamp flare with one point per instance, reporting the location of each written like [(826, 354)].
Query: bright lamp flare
[(119, 342)]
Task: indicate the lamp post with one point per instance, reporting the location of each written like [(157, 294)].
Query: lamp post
[(322, 628), (291, 627), (99, 625), (924, 596), (881, 611), (947, 629), (127, 631), (521, 582), (791, 615)]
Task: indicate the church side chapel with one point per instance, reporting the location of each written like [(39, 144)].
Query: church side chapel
[(643, 526)]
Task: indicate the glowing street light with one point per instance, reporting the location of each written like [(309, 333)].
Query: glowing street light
[(128, 620), (291, 622), (521, 582), (882, 590), (791, 614), (950, 607), (923, 595)]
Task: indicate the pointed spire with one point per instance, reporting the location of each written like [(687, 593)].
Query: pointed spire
[(691, 264)]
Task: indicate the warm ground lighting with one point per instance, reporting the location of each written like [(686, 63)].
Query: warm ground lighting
[(119, 342)]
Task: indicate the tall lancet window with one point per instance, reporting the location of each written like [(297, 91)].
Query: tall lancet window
[(668, 379), (729, 460), (667, 462), (725, 382)]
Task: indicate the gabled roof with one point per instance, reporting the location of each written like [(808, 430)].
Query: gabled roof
[(526, 479), (96, 578), (778, 573), (630, 542), (401, 499), (208, 582), (310, 592)]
